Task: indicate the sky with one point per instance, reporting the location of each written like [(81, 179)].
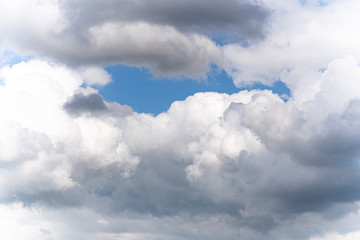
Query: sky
[(181, 120), (146, 94)]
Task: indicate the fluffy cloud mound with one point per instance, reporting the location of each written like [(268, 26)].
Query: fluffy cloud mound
[(305, 37), (247, 164), (40, 141)]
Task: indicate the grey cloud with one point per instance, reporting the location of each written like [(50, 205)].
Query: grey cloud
[(54, 199), (352, 112), (94, 105), (230, 17), (171, 38), (81, 103), (330, 188), (323, 163), (162, 49), (158, 187), (262, 223)]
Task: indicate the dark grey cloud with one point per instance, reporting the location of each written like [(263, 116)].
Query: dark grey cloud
[(242, 19), (80, 103), (94, 105), (329, 188), (171, 38)]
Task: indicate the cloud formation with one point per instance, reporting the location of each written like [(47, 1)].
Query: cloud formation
[(81, 103), (247, 164), (171, 38), (214, 166), (303, 40), (241, 18)]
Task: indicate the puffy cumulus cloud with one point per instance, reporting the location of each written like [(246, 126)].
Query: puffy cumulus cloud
[(304, 37), (152, 34), (40, 142), (95, 76), (213, 166)]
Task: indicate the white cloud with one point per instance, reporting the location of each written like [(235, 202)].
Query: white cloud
[(302, 41), (95, 76), (337, 236), (40, 142)]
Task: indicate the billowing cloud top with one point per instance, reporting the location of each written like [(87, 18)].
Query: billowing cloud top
[(247, 165)]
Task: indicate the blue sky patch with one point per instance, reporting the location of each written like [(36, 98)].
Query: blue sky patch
[(10, 58), (137, 88)]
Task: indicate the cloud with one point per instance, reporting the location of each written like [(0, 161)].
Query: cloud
[(242, 18), (85, 103), (148, 34), (246, 164), (40, 140), (214, 166), (95, 76), (336, 236), (297, 55)]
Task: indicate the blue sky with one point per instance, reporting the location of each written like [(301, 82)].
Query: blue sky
[(141, 90), (138, 88)]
